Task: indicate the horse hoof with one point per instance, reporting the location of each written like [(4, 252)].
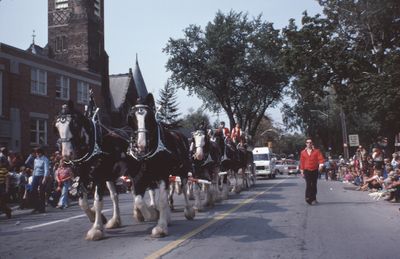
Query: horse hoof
[(190, 213), (113, 223), (94, 235), (158, 232)]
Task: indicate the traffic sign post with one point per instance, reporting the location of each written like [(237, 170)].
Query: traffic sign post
[(353, 140)]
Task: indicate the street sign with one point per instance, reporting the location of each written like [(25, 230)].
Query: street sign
[(353, 140), (397, 140)]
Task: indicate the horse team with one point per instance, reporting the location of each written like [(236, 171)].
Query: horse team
[(152, 155)]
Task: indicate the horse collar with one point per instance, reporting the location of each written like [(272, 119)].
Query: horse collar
[(160, 146), (96, 148)]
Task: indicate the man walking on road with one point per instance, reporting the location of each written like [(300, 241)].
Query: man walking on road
[(311, 161)]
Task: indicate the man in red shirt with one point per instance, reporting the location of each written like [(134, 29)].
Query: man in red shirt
[(311, 160)]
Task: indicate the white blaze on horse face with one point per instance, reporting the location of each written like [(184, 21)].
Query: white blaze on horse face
[(65, 133), (141, 139), (199, 141)]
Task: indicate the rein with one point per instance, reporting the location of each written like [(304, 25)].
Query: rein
[(160, 146), (96, 150)]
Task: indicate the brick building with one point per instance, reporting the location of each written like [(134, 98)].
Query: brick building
[(34, 83)]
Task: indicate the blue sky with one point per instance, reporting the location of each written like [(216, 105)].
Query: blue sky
[(144, 27)]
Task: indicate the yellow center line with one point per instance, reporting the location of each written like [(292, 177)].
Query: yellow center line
[(176, 243)]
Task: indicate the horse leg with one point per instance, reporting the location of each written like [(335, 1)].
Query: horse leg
[(189, 210), (137, 215), (197, 199), (115, 221), (178, 187), (190, 190), (214, 184), (237, 188), (142, 211), (171, 195), (152, 195), (83, 203), (223, 178), (208, 199), (97, 231), (161, 230)]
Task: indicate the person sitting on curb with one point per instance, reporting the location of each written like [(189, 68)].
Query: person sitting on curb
[(393, 186), (372, 183)]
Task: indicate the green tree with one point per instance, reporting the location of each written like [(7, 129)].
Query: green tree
[(168, 113), (234, 65), (350, 56), (371, 30), (194, 118)]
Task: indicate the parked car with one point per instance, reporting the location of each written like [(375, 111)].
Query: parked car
[(287, 166)]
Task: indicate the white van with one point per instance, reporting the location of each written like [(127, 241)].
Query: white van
[(264, 160)]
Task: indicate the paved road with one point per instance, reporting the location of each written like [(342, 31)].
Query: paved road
[(269, 221)]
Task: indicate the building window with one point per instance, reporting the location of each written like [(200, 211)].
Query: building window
[(60, 43), (62, 87), (1, 93), (38, 81), (97, 8), (64, 42), (83, 92), (38, 130), (61, 4)]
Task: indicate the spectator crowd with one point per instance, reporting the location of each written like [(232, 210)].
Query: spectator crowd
[(33, 182), (377, 171)]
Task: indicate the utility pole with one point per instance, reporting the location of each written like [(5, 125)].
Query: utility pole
[(344, 134)]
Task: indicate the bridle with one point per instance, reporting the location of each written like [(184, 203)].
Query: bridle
[(206, 149), (145, 110), (93, 148)]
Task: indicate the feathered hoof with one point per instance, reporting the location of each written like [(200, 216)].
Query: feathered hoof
[(113, 223), (158, 232), (237, 190), (198, 208), (137, 215), (94, 234), (190, 213)]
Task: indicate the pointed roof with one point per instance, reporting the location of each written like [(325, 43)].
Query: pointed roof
[(139, 81), (37, 50), (119, 87)]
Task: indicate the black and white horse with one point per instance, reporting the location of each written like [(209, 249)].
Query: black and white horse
[(246, 166), (206, 158), (157, 153), (92, 151), (230, 162)]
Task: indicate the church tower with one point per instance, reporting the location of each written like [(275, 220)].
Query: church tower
[(76, 37), (76, 33)]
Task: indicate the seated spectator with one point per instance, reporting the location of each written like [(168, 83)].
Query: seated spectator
[(392, 184), (372, 183), (395, 161)]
